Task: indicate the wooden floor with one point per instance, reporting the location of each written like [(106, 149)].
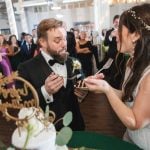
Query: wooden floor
[(99, 116)]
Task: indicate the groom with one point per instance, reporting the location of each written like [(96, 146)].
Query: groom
[(48, 73)]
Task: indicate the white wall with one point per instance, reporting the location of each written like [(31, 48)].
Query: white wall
[(18, 23), (69, 16), (4, 24), (118, 9)]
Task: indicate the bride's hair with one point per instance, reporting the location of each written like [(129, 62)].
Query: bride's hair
[(137, 19)]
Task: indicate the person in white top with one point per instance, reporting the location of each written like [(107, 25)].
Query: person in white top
[(133, 38)]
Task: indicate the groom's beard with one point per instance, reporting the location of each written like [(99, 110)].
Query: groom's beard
[(60, 55)]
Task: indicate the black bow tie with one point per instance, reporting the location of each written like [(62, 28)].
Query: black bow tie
[(53, 61)]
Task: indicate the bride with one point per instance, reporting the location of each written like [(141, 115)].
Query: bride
[(132, 104)]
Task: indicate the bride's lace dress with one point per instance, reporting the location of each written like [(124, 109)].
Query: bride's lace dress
[(140, 137)]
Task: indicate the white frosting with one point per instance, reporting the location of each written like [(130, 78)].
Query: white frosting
[(41, 139), (33, 121)]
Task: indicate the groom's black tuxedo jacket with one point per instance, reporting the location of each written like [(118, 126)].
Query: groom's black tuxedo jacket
[(36, 70)]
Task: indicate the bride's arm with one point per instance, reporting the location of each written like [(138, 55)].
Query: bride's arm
[(138, 115), (118, 92), (132, 117), (125, 114)]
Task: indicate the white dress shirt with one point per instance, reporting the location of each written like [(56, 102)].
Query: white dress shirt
[(57, 69)]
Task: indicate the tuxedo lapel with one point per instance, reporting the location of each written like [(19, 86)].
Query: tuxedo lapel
[(45, 68), (69, 67), (69, 73)]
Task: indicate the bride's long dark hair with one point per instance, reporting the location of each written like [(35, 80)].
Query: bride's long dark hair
[(137, 19)]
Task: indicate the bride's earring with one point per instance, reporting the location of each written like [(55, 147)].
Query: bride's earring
[(133, 47), (133, 43)]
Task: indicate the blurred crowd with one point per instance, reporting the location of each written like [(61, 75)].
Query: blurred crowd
[(90, 47)]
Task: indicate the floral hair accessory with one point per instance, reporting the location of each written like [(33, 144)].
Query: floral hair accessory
[(76, 65), (133, 14)]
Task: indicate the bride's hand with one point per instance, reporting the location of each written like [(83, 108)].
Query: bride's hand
[(97, 76), (97, 84)]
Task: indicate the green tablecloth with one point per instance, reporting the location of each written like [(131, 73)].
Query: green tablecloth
[(99, 142)]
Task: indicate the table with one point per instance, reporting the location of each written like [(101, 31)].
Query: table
[(99, 141)]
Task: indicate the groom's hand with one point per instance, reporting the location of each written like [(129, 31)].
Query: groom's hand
[(53, 83)]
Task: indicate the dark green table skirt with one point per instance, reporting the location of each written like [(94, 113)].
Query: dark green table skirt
[(99, 142)]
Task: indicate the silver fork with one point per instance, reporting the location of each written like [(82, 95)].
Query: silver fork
[(106, 65), (70, 78)]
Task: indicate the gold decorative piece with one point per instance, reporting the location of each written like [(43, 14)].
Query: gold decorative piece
[(14, 100), (31, 119)]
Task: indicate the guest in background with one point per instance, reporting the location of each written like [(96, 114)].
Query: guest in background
[(72, 30), (76, 34), (71, 42), (4, 52), (28, 48), (103, 48), (95, 40), (15, 55), (134, 39), (103, 34), (34, 35), (114, 75), (84, 53), (23, 36)]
